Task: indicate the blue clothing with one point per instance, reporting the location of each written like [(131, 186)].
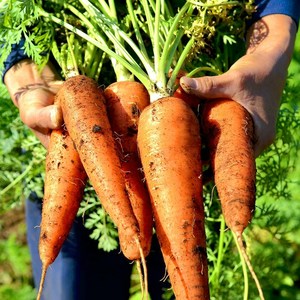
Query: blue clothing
[(17, 54), (268, 7), (264, 8), (82, 271)]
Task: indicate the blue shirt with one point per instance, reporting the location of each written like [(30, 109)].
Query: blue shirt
[(268, 7), (17, 54), (264, 7)]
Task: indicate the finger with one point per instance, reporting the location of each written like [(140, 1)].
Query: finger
[(209, 87), (38, 111), (48, 117)]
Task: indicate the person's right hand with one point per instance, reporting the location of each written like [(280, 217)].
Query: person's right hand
[(33, 93), (38, 111)]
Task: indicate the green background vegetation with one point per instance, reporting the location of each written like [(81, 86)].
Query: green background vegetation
[(273, 239)]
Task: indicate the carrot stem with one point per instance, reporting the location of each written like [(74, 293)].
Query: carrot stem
[(131, 65), (136, 28)]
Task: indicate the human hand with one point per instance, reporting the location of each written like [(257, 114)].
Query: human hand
[(257, 79), (33, 93), (38, 110)]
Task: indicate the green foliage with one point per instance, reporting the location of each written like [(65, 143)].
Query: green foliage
[(22, 157), (281, 157), (217, 20), (16, 19), (15, 282), (97, 220)]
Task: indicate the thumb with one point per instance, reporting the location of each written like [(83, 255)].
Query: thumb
[(42, 117), (38, 111), (209, 87)]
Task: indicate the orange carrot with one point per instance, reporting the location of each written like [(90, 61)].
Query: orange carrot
[(229, 133), (85, 115), (169, 145), (125, 100), (228, 130), (65, 180)]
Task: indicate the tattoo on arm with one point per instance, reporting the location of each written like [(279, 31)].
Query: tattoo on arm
[(257, 34)]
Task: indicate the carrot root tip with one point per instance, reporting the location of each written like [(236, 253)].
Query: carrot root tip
[(249, 265), (143, 271), (44, 271)]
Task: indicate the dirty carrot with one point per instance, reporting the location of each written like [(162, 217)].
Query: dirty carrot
[(229, 135), (169, 144), (233, 163), (125, 100), (65, 180), (85, 115), (149, 60), (124, 107)]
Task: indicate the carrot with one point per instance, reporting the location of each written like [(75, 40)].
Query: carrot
[(229, 133), (85, 115), (228, 130), (169, 145), (65, 180), (124, 108)]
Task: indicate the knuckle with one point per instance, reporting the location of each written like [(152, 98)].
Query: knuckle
[(206, 84), (25, 118), (240, 79)]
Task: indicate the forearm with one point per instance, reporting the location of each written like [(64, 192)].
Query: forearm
[(273, 38), (25, 75)]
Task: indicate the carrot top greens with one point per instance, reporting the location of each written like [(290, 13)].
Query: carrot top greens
[(146, 39)]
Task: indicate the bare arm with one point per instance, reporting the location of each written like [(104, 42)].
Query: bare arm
[(257, 79)]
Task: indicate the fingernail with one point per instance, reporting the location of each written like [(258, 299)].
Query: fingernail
[(56, 117), (188, 83)]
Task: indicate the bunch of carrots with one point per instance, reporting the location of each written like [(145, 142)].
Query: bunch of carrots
[(109, 136), (147, 124)]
